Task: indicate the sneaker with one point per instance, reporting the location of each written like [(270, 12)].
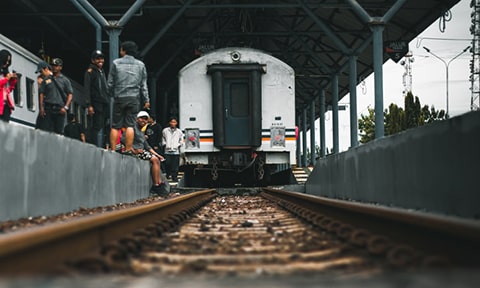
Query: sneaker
[(160, 190), (129, 153)]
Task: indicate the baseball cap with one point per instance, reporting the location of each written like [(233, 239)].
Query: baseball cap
[(57, 62), (97, 54), (41, 65), (143, 114)]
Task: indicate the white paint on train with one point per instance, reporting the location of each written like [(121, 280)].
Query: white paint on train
[(198, 107), (25, 94)]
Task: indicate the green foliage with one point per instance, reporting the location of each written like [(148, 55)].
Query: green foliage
[(394, 120), (432, 115), (397, 119), (366, 125), (409, 111)]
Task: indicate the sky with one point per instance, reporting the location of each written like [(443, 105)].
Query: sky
[(428, 76)]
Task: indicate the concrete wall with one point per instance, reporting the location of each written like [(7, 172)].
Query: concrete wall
[(43, 174), (433, 168)]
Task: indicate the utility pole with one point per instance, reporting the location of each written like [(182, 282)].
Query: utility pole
[(407, 75), (475, 62), (447, 65)]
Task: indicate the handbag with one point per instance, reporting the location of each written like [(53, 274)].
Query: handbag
[(62, 93)]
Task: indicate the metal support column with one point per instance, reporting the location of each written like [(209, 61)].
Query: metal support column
[(313, 155), (353, 102), (304, 137), (377, 26), (322, 123), (98, 27), (378, 77), (335, 125), (152, 91), (113, 29), (299, 150), (114, 48)]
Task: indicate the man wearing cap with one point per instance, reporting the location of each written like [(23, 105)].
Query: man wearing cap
[(127, 83), (55, 94), (96, 98), (142, 150)]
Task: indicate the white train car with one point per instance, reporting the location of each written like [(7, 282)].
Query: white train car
[(25, 94), (237, 110)]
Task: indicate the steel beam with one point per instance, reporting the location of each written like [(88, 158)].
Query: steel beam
[(334, 82), (322, 122), (98, 27), (164, 29), (312, 132), (353, 101)]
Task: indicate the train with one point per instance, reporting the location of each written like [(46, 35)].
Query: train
[(25, 94), (237, 111)]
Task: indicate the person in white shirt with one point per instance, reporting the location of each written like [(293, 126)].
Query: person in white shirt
[(172, 141)]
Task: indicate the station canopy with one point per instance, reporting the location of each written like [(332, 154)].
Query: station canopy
[(315, 37)]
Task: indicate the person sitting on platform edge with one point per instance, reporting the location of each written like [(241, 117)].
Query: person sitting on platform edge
[(144, 151), (74, 129), (153, 133)]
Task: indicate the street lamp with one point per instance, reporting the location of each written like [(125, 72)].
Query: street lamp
[(446, 66)]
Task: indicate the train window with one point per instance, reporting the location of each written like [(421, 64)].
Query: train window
[(30, 94), (240, 99), (17, 92)]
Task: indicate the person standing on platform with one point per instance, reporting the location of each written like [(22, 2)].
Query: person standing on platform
[(96, 98), (172, 140), (127, 84), (74, 129), (7, 84), (40, 121), (56, 93)]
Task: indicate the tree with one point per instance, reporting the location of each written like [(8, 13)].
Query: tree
[(366, 125), (432, 115), (396, 119), (413, 114)]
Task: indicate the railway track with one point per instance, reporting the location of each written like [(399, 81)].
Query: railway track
[(276, 233), (43, 250)]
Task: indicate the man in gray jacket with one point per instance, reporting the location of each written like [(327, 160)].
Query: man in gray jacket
[(127, 83)]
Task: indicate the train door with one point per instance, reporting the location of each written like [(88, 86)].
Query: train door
[(237, 111), (237, 105)]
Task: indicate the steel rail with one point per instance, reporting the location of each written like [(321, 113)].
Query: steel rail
[(41, 249), (456, 238)]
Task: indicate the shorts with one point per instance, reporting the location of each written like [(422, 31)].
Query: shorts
[(125, 112), (145, 155)]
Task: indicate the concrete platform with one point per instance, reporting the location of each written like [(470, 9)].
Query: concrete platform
[(44, 174), (433, 168)]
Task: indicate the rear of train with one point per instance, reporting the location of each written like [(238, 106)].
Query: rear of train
[(237, 110)]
